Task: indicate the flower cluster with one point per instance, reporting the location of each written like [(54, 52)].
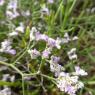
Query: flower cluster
[(54, 66), (17, 30), (7, 48), (67, 82), (36, 35), (6, 91), (11, 11)]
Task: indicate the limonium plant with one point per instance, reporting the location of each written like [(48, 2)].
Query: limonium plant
[(27, 51)]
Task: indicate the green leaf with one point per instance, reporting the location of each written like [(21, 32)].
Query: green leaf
[(27, 33)]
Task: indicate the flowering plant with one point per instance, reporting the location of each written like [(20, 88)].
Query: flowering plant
[(35, 55)]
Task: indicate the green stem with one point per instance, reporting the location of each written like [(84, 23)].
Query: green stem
[(71, 8), (12, 66), (67, 14), (90, 83), (20, 57), (23, 88), (23, 53), (31, 74), (58, 10), (50, 78)]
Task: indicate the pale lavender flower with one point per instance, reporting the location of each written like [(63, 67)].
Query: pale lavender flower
[(7, 48), (45, 10), (54, 66), (5, 44), (51, 1), (26, 13), (34, 34), (54, 43), (79, 71), (44, 37), (75, 38), (2, 2), (72, 54), (66, 38), (11, 11), (11, 15), (14, 33), (5, 77), (55, 59), (6, 91), (70, 90), (12, 4), (46, 53), (20, 28), (63, 74), (51, 42), (34, 53), (39, 36), (11, 51), (69, 84), (58, 43), (12, 78), (93, 10)]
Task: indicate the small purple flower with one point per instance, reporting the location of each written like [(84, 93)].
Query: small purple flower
[(14, 33), (2, 2), (54, 43), (63, 74), (40, 36), (37, 36), (79, 71), (5, 44), (51, 42), (34, 34), (11, 51), (51, 1), (12, 4), (45, 11), (66, 38), (44, 37), (26, 13), (6, 91), (11, 15), (72, 54), (7, 48), (34, 53), (46, 53), (20, 28), (55, 59), (70, 90)]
